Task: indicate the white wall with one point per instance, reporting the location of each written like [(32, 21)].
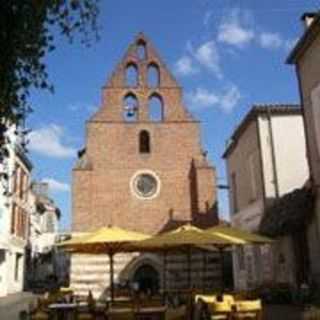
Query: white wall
[(290, 150), (290, 153), (292, 172)]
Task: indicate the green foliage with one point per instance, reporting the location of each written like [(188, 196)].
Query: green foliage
[(26, 36)]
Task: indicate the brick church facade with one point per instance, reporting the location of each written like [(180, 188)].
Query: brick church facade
[(143, 169)]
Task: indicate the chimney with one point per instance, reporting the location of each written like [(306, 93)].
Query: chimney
[(308, 18)]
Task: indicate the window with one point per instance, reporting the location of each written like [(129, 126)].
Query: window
[(145, 185), (26, 188), (24, 224), (130, 108), (15, 179), (141, 50), (315, 101), (132, 75), (155, 108), (21, 184), (240, 258), (144, 142), (234, 192), (153, 75), (17, 266), (19, 222), (13, 219)]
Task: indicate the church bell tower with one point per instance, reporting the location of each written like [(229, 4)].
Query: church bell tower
[(143, 167)]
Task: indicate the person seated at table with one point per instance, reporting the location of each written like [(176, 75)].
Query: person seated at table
[(90, 301)]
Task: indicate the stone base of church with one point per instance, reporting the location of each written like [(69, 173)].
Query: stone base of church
[(91, 272)]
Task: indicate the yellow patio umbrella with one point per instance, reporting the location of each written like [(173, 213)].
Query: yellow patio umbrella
[(108, 240), (76, 238), (186, 237), (233, 233)]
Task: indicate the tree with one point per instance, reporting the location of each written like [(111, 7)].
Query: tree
[(27, 34)]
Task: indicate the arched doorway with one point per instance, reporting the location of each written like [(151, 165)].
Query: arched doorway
[(148, 279)]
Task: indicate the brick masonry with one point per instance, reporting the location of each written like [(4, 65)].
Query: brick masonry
[(103, 190), (102, 177)]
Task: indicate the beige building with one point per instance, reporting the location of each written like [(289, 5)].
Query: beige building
[(43, 234), (306, 57), (266, 160), (14, 216)]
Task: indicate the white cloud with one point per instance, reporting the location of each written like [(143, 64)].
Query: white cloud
[(202, 98), (48, 141), (185, 66), (236, 28), (208, 56), (56, 186), (230, 98), (273, 41), (270, 40), (87, 107)]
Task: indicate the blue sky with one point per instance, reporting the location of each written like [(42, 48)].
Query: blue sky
[(226, 54)]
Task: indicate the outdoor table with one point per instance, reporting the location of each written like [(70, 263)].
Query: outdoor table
[(151, 313), (116, 312), (119, 299), (62, 310), (118, 302)]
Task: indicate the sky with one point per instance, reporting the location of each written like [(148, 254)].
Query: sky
[(226, 54)]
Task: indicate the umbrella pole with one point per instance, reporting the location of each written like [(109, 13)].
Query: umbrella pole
[(204, 270), (189, 266), (164, 276), (111, 277), (222, 267)]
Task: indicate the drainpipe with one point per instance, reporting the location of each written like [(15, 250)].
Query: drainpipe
[(273, 156)]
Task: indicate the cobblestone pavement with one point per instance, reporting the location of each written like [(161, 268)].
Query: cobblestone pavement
[(283, 312), (12, 305)]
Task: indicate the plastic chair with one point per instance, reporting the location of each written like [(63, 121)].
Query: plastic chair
[(205, 298), (120, 314), (39, 315), (85, 315), (248, 309), (214, 307), (228, 298)]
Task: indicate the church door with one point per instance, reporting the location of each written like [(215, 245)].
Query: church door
[(148, 279)]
